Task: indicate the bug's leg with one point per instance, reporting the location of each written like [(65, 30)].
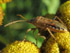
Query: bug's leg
[(38, 34), (51, 34), (13, 22), (56, 17), (26, 33), (21, 16), (34, 36), (32, 29), (0, 51)]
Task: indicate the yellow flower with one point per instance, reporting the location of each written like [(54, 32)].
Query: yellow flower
[(4, 1), (63, 39), (65, 13), (1, 15), (0, 1), (66, 51), (65, 9), (21, 47), (50, 46), (62, 44)]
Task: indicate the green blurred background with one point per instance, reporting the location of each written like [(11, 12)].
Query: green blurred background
[(29, 9)]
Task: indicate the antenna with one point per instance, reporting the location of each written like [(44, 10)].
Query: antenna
[(21, 16), (13, 22)]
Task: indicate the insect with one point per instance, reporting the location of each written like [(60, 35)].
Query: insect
[(45, 24)]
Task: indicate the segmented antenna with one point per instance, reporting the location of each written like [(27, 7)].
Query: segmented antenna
[(21, 16), (14, 22)]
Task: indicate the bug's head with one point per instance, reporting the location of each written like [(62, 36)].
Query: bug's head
[(32, 21), (35, 20)]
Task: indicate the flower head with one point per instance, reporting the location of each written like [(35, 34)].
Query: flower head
[(65, 9), (65, 13), (1, 15), (4, 1), (21, 47)]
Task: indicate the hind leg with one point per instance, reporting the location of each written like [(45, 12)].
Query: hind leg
[(51, 34), (32, 29), (56, 17)]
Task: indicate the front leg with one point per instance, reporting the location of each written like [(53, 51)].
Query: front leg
[(38, 34), (32, 29), (51, 34), (56, 17)]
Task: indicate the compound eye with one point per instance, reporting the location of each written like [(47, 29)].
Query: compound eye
[(32, 20)]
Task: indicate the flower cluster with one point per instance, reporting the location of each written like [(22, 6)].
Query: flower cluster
[(4, 1), (21, 47), (63, 43), (1, 15), (65, 12)]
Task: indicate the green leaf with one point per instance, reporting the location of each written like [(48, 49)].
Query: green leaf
[(52, 5), (3, 40)]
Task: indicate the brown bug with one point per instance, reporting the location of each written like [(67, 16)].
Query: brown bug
[(45, 24)]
